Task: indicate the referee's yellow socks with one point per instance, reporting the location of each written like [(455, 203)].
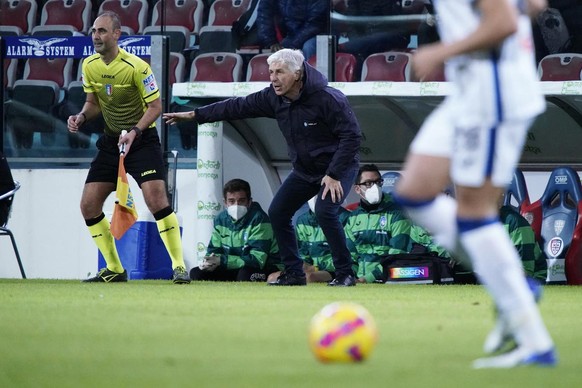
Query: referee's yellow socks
[(169, 229), (101, 233)]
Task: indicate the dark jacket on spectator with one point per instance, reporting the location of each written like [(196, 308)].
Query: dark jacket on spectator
[(298, 21)]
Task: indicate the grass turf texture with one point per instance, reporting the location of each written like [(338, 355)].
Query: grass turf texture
[(57, 333)]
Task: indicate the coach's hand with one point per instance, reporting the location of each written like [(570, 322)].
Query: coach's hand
[(175, 117), (333, 187)]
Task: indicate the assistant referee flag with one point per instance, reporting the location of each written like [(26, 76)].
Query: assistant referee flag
[(124, 211)]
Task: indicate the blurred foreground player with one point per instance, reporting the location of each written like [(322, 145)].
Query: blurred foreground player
[(475, 137)]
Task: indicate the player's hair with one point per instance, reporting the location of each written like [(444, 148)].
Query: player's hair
[(235, 185), (366, 168), (115, 20), (292, 58)]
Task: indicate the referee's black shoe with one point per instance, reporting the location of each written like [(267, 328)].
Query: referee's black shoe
[(107, 276), (290, 279), (343, 281)]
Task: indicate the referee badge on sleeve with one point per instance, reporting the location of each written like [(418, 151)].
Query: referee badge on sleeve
[(150, 84)]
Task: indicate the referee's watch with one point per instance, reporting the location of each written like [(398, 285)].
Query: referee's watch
[(137, 131)]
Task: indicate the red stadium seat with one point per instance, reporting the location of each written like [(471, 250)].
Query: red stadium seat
[(133, 13), (59, 70), (9, 67), (18, 13), (345, 66), (258, 69), (177, 68), (387, 66), (226, 12), (560, 67), (216, 67), (185, 13), (76, 13)]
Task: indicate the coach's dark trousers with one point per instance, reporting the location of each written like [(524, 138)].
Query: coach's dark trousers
[(292, 194)]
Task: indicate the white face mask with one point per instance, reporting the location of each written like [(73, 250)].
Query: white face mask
[(311, 203), (237, 211), (372, 195)]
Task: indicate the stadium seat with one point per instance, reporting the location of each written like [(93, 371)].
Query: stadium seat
[(179, 36), (560, 67), (133, 14), (18, 13), (387, 66), (59, 70), (6, 200), (560, 208), (35, 97), (226, 12), (30, 110), (216, 39), (258, 68), (185, 13), (390, 178), (55, 30), (177, 68), (216, 67), (10, 31), (345, 67), (516, 194), (76, 13), (10, 67)]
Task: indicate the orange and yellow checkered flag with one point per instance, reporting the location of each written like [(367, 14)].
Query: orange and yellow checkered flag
[(124, 211)]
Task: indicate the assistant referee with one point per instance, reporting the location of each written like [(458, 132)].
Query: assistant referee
[(123, 88)]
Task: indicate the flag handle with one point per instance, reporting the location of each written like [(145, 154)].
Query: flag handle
[(122, 147)]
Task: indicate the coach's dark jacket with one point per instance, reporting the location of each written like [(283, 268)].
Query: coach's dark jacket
[(322, 132)]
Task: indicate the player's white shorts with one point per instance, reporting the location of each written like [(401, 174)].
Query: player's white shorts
[(477, 149)]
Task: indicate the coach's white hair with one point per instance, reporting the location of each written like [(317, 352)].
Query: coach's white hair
[(292, 58)]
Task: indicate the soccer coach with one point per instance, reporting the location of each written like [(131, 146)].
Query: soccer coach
[(323, 139)]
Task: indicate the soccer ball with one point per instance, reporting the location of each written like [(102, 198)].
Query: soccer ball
[(342, 332)]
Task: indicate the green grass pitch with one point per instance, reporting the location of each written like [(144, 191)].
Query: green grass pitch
[(61, 333)]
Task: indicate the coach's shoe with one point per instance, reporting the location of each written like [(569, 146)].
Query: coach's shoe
[(500, 338), (180, 276), (107, 276), (519, 356), (343, 281), (289, 279)]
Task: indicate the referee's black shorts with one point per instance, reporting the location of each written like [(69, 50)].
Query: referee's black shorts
[(144, 161)]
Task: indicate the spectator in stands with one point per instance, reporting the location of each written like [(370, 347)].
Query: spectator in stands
[(122, 87), (323, 139), (6, 184), (296, 22), (378, 228), (571, 11), (242, 247), (313, 247), (361, 40)]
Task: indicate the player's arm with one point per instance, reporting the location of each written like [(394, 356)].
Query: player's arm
[(499, 19), (90, 110)]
